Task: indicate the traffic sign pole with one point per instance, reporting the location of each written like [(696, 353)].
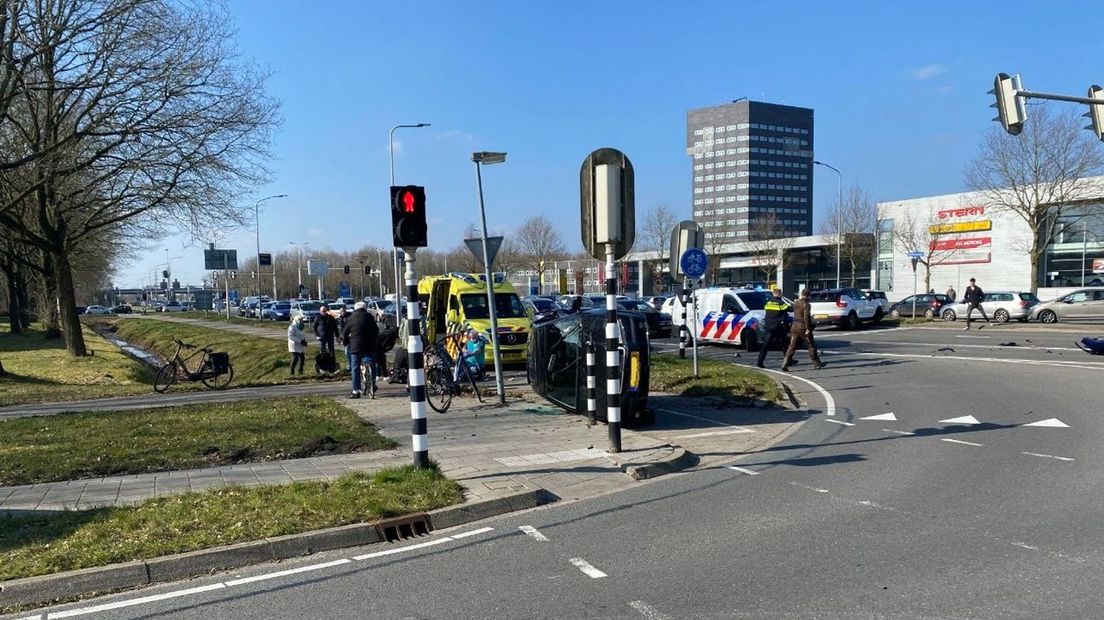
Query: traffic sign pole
[(416, 377), (613, 355), (682, 328)]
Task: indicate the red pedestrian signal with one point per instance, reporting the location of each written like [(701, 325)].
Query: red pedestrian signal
[(408, 216)]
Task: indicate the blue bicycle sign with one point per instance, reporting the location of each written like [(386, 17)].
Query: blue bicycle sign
[(694, 262)]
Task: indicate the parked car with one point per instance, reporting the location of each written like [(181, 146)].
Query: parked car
[(566, 301), (348, 302), (927, 305), (845, 307), (659, 323), (309, 309), (381, 307), (728, 316), (1002, 306), (277, 311), (96, 310), (539, 308), (1083, 304), (172, 306), (122, 309), (656, 301), (879, 297)]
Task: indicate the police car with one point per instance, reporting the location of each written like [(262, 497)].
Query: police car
[(726, 315)]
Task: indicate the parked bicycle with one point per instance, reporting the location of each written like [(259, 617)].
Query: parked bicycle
[(446, 377), (213, 369)]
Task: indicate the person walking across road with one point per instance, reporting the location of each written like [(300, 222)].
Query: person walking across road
[(297, 343), (774, 322), (802, 329), (973, 297), (360, 335)]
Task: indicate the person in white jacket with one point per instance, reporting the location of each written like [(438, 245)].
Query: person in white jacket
[(297, 343)]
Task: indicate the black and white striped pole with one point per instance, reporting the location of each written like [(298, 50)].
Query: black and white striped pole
[(683, 329), (419, 434), (592, 392), (613, 355)]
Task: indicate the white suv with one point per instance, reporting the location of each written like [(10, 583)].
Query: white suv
[(845, 307)]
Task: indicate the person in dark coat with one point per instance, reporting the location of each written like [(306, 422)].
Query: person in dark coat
[(325, 329), (802, 329), (360, 334), (774, 322), (973, 296)]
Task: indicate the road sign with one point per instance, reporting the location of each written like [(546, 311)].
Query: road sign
[(607, 203), (343, 289), (218, 260), (916, 255), (264, 259), (687, 234), (694, 262), (317, 267), (476, 248)]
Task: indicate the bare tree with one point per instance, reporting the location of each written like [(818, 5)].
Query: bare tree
[(769, 244), (658, 224), (714, 245), (539, 244), (138, 117), (919, 232), (1038, 176), (852, 224)]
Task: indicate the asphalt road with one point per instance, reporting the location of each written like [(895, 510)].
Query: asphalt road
[(974, 493)]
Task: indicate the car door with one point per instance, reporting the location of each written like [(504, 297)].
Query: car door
[(1096, 306), (1074, 306)]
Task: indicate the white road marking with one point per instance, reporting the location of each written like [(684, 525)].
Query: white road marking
[(866, 502), (742, 470), (738, 429), (1051, 422), (961, 345), (966, 419), (284, 573), (482, 530), (996, 360), (888, 417), (829, 402), (976, 337), (532, 531), (890, 430), (1025, 546), (587, 569), (1049, 456), (368, 556), (840, 422), (39, 617), (965, 443), (687, 415), (647, 610), (81, 611), (805, 486)]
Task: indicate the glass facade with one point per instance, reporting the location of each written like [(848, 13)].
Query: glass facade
[(1068, 261)]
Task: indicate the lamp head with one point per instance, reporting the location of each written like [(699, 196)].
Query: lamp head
[(488, 157)]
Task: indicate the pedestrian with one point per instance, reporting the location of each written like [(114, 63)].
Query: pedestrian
[(297, 343), (774, 322), (952, 294), (325, 329), (342, 317), (931, 291), (360, 335), (973, 297), (802, 329)]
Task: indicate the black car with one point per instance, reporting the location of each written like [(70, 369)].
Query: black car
[(556, 363), (659, 323), (927, 305), (122, 309)]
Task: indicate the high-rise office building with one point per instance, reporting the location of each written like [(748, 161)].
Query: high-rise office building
[(753, 174)]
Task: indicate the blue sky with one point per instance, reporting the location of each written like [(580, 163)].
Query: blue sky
[(898, 89)]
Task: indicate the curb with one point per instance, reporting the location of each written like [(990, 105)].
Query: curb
[(680, 459), (68, 585)]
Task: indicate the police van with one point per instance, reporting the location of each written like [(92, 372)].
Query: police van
[(725, 315), (455, 302)]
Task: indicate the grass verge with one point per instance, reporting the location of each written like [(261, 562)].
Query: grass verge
[(191, 521), (103, 443), (40, 370), (715, 378), (218, 317)]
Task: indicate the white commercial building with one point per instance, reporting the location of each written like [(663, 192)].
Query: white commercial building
[(963, 237)]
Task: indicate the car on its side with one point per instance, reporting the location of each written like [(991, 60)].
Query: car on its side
[(927, 305), (1001, 306), (1082, 304), (96, 310)]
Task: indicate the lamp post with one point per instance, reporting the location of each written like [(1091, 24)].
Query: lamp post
[(395, 255), (300, 245), (168, 280), (839, 217), (484, 158), (257, 222)]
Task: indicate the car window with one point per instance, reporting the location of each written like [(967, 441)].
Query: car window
[(1098, 295), (821, 296), (907, 300), (1078, 297), (1028, 297), (755, 300), (729, 305)]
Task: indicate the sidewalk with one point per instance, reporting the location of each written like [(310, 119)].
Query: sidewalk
[(491, 451)]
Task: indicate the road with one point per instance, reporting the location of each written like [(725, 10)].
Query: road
[(955, 478)]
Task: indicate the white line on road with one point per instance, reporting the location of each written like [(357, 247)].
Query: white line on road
[(890, 430), (532, 531), (742, 470), (687, 415), (965, 443), (368, 556), (284, 573), (587, 569), (829, 402), (996, 360), (805, 486), (738, 429), (962, 345), (975, 337), (646, 610), (840, 422), (81, 611), (482, 530), (1049, 456), (1025, 546), (866, 502)]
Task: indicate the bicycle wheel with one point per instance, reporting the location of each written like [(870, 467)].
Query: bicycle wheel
[(471, 380), (438, 391), (165, 377), (217, 382)]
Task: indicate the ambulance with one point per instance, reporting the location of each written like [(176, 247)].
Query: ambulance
[(455, 302), (724, 315)]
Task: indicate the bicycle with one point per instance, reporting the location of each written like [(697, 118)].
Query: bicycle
[(369, 375), (443, 376), (213, 370)]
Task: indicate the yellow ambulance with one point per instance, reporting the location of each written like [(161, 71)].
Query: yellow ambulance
[(457, 301)]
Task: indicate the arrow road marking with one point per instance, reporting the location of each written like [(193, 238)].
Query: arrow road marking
[(966, 419), (890, 430), (587, 569), (647, 611), (888, 417), (1052, 422), (532, 531), (841, 422)]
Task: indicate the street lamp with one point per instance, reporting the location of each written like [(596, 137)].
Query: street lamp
[(484, 158), (395, 255), (839, 217), (300, 246), (257, 221)]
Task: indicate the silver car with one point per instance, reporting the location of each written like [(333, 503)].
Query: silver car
[(1001, 306), (1082, 304)]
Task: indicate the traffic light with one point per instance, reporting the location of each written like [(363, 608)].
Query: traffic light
[(408, 216), (165, 274), (253, 274), (1011, 112), (1096, 112), (367, 270), (346, 270)]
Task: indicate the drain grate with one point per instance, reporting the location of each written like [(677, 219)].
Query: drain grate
[(403, 528)]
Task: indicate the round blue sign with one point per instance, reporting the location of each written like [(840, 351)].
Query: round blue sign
[(694, 262)]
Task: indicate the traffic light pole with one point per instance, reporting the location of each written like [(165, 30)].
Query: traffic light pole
[(226, 279), (415, 378)]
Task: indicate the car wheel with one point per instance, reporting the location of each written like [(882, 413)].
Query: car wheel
[(750, 340), (1048, 316), (949, 315), (929, 313), (852, 321), (1001, 316), (895, 313)]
